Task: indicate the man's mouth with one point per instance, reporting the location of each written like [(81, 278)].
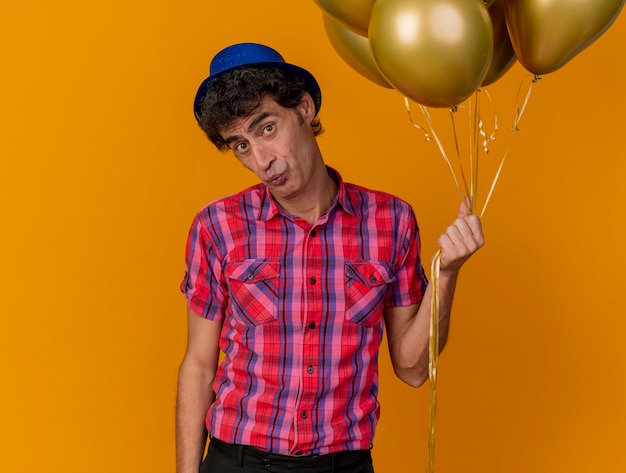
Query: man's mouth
[(277, 179)]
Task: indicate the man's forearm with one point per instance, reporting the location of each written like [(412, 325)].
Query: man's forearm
[(412, 358), (447, 286), (192, 403)]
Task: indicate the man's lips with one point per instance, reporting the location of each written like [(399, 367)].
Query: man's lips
[(276, 179)]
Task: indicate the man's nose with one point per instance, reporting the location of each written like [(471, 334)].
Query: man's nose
[(263, 156)]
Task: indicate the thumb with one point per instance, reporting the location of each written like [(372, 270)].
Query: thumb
[(465, 208)]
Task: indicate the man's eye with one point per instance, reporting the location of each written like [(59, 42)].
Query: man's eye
[(268, 128), (240, 147)]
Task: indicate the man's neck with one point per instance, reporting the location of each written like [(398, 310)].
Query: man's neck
[(311, 207)]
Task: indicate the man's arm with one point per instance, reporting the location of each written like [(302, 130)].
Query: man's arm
[(195, 393), (408, 327)]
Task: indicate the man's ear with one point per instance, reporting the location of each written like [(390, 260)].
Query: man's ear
[(307, 108)]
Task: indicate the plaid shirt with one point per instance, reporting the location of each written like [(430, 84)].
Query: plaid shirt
[(301, 308)]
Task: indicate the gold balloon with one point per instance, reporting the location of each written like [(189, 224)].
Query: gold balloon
[(352, 14), (503, 54), (546, 34), (435, 52), (354, 49)]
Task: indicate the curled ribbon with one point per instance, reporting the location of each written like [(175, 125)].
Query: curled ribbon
[(514, 130), (433, 358), (476, 133)]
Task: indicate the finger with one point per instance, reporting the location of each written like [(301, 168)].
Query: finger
[(465, 234), (444, 242), (476, 227), (455, 239), (456, 231), (460, 230), (452, 255), (470, 226)]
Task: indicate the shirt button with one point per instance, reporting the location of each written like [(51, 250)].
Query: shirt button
[(310, 369), (313, 233), (304, 415), (299, 453), (250, 275), (372, 278), (312, 325), (313, 280)]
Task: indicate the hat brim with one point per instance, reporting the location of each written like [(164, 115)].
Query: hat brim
[(312, 86)]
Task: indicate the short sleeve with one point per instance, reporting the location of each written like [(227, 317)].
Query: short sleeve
[(203, 284), (411, 281)]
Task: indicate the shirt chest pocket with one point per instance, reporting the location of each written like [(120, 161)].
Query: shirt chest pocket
[(253, 288), (366, 285)]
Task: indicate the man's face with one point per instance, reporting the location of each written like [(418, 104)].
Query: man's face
[(278, 145)]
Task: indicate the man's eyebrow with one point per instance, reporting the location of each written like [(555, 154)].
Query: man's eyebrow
[(253, 123), (258, 119), (230, 139)]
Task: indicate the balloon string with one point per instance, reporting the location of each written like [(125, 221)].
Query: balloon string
[(453, 111), (427, 137), (483, 133), (514, 130), (475, 129), (436, 138), (471, 157), (536, 78), (433, 357)]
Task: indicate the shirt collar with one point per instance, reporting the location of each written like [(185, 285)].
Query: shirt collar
[(343, 198), (269, 207)]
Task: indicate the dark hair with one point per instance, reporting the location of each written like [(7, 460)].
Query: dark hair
[(238, 92)]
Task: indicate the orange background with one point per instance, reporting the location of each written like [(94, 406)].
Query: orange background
[(103, 167)]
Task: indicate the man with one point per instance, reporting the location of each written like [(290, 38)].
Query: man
[(294, 279)]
